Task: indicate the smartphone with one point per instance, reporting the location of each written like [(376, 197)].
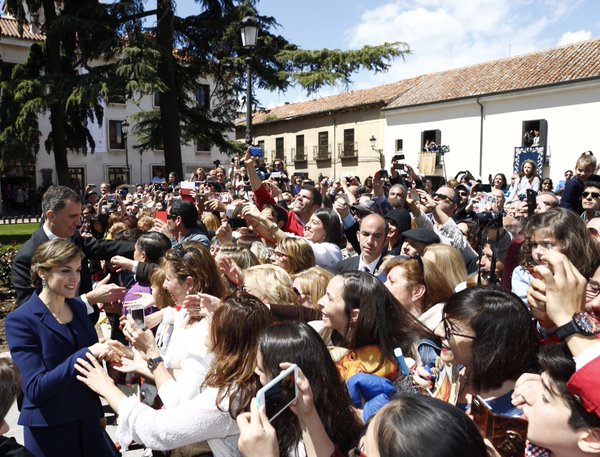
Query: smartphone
[(137, 313), (531, 201), (507, 434), (162, 215), (398, 157), (279, 394), (414, 195), (383, 174), (484, 188), (398, 166), (237, 223), (256, 152)]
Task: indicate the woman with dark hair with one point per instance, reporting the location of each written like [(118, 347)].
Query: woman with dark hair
[(500, 182), (528, 179), (358, 310), (405, 428), (491, 334), (323, 232), (227, 391), (300, 344)]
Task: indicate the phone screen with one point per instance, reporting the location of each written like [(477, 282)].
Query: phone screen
[(278, 394)]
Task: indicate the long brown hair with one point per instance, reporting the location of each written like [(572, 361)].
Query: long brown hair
[(235, 327)]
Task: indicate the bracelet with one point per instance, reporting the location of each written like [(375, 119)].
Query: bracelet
[(273, 228)]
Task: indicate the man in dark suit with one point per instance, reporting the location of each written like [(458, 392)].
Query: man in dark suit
[(61, 207), (372, 236)]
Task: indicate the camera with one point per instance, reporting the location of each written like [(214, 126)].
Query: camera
[(492, 219)]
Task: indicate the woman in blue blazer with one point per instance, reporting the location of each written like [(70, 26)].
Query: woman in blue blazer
[(46, 335)]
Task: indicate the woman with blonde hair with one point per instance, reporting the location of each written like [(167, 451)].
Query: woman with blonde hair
[(310, 285), (210, 221), (293, 255), (270, 283), (420, 287), (449, 261)]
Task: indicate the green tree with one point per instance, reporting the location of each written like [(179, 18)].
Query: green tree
[(94, 51)]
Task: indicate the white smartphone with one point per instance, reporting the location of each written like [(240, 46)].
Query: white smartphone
[(279, 393)]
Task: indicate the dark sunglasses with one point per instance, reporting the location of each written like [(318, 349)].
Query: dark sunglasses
[(594, 195), (443, 197), (171, 217)]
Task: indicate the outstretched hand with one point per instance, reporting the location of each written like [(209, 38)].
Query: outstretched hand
[(93, 375)]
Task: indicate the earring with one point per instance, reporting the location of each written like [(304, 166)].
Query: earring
[(44, 283)]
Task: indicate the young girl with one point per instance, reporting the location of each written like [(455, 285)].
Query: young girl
[(528, 179), (557, 229), (584, 169)]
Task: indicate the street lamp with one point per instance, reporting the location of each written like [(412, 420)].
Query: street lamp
[(373, 142), (249, 32), (125, 131)]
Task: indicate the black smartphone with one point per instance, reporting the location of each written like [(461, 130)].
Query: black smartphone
[(484, 188), (531, 201), (237, 223)]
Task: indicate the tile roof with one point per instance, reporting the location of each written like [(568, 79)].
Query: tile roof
[(566, 64), (376, 96), (10, 28)]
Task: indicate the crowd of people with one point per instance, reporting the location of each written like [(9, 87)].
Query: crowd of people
[(420, 318)]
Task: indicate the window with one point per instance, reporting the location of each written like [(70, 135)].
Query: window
[(279, 150), (203, 96), (430, 140), (349, 142), (534, 133), (117, 176), (115, 135), (77, 177), (399, 145), (156, 99), (261, 144), (323, 150), (202, 146), (299, 153)]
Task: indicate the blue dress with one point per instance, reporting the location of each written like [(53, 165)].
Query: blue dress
[(60, 415)]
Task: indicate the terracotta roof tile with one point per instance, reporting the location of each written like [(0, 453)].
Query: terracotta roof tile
[(10, 28), (569, 63)]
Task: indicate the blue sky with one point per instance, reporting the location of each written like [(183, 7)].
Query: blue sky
[(442, 34)]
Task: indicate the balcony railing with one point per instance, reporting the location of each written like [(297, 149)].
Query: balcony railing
[(322, 152), (347, 150), (299, 154)]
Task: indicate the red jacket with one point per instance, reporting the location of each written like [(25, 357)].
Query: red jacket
[(263, 197)]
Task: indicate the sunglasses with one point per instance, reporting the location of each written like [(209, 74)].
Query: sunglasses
[(449, 331), (594, 195), (443, 197), (171, 217)]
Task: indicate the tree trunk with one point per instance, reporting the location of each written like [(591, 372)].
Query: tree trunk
[(57, 109), (169, 111)]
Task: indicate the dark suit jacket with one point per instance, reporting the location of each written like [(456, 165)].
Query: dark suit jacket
[(91, 247), (351, 264), (45, 353)]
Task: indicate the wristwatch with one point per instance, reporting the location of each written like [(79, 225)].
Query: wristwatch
[(583, 323), (153, 363)]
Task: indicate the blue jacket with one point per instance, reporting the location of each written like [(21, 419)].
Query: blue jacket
[(45, 353)]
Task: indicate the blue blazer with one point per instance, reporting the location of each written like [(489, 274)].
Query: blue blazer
[(45, 353)]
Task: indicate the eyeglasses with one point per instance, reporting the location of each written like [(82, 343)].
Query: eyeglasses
[(279, 254), (463, 193), (594, 195), (449, 331), (593, 232), (171, 217), (592, 289), (437, 196)]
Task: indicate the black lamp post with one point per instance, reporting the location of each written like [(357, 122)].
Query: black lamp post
[(373, 142), (249, 32), (125, 131)]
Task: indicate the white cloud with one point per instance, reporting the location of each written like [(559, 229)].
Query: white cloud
[(574, 37), (445, 34)]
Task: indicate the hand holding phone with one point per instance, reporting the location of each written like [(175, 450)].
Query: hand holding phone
[(279, 393)]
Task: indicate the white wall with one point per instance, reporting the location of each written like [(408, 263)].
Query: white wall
[(572, 112)]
